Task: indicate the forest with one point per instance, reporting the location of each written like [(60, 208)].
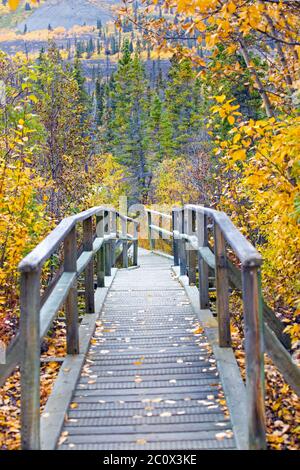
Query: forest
[(218, 125)]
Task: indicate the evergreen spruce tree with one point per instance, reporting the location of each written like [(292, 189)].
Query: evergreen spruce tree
[(128, 125), (182, 96)]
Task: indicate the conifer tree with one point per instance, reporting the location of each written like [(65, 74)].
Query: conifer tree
[(128, 125)]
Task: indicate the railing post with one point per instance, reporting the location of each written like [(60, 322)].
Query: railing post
[(252, 302), (113, 242), (201, 223), (89, 270), (100, 257), (135, 244), (124, 243), (175, 239), (107, 244), (71, 305), (191, 253), (160, 225), (182, 243), (151, 240), (222, 289), (30, 360)]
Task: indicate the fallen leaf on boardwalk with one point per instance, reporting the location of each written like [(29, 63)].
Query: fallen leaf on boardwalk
[(220, 436), (91, 382), (138, 380), (74, 405), (148, 408), (63, 437), (137, 363), (198, 331), (165, 414), (141, 441)]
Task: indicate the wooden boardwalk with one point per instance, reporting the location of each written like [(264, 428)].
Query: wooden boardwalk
[(150, 380), (148, 365)]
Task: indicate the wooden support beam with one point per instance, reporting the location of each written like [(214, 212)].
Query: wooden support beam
[(252, 303), (124, 243), (89, 270), (30, 359), (150, 232), (135, 244), (113, 242), (71, 304), (182, 242), (107, 244), (100, 257), (201, 227), (175, 239), (222, 289), (191, 253)]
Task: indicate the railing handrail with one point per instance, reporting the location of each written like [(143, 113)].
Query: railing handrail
[(161, 214), (245, 251), (35, 259)]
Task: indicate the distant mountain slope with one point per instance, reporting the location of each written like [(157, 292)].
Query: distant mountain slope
[(68, 13)]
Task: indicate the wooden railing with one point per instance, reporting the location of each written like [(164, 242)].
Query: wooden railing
[(103, 230), (190, 228)]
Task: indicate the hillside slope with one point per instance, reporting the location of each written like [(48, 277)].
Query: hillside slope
[(67, 13)]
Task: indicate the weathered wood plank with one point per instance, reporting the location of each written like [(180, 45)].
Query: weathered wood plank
[(252, 306), (30, 359), (119, 384), (235, 280), (228, 368), (71, 306), (100, 254), (222, 289), (201, 226), (54, 414), (282, 359), (246, 252), (89, 269), (55, 301)]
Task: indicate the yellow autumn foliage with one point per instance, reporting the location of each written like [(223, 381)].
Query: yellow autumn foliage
[(172, 187), (262, 194)]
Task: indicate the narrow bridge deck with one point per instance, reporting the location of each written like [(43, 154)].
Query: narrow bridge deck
[(150, 380)]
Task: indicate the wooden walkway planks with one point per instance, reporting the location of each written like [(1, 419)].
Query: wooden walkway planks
[(149, 382)]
